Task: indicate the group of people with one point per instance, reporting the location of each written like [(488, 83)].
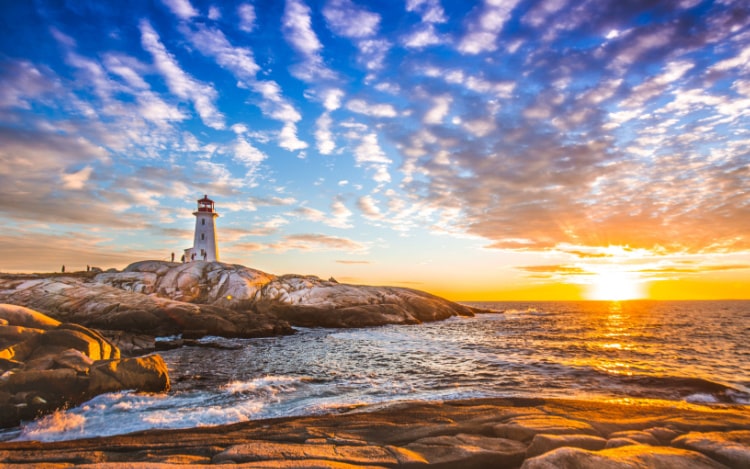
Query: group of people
[(192, 257)]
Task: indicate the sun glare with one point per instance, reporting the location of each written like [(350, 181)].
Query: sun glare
[(615, 286)]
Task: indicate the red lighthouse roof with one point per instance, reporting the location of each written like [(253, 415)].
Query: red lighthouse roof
[(205, 204)]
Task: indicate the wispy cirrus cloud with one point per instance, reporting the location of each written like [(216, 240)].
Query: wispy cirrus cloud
[(180, 83)]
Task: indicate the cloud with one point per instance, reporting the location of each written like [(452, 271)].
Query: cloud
[(422, 37), (179, 82), (554, 269), (369, 207), (246, 13), (247, 153), (24, 83), (438, 112), (351, 262), (339, 217), (323, 134), (430, 10), (30, 251), (240, 61), (297, 29), (373, 110), (318, 242), (347, 19), (181, 8), (265, 228), (369, 153), (484, 30), (78, 179)]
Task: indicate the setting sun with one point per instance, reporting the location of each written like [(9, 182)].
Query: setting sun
[(615, 286)]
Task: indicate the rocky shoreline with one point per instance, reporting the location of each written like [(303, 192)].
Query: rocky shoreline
[(65, 338), (197, 299), (477, 433)]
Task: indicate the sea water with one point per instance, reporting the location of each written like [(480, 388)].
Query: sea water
[(696, 352)]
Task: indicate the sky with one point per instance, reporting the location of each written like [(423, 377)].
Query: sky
[(496, 149)]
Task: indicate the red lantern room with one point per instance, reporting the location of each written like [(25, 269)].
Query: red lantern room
[(205, 204)]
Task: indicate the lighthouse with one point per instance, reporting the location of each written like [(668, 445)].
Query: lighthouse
[(204, 243)]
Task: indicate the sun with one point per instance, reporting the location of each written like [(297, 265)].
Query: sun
[(614, 285)]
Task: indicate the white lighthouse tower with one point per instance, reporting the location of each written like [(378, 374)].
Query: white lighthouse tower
[(204, 244)]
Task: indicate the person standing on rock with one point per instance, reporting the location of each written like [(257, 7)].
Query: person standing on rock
[(172, 257), (63, 268)]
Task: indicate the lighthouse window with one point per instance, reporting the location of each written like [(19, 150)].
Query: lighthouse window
[(203, 221), (203, 236)]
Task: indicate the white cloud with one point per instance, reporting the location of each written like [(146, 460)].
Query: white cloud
[(348, 20), (373, 52), (323, 134), (439, 110), (297, 29), (741, 60), (369, 153), (21, 82), (374, 110), (154, 109), (341, 215), (240, 61), (542, 12), (288, 138), (179, 82), (483, 32), (181, 8), (332, 98), (214, 13), (421, 38), (127, 68), (247, 154), (78, 179), (431, 10), (246, 12)]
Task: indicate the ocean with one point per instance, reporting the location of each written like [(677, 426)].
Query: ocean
[(675, 352)]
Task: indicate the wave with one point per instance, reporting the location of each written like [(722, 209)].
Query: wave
[(692, 389)]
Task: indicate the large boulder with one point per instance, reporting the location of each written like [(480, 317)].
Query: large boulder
[(62, 366)]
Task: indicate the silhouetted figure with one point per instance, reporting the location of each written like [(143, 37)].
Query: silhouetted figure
[(63, 268), (172, 257)]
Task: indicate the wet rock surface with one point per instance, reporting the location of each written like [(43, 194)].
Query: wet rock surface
[(471, 433), (54, 364)]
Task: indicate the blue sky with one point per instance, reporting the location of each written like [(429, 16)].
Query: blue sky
[(506, 148)]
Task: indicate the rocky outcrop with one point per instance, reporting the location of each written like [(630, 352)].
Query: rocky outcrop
[(465, 434), (214, 283), (306, 301), (106, 307), (58, 364), (312, 302), (213, 298)]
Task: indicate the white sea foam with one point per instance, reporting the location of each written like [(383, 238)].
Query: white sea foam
[(57, 423), (271, 384), (702, 398)]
